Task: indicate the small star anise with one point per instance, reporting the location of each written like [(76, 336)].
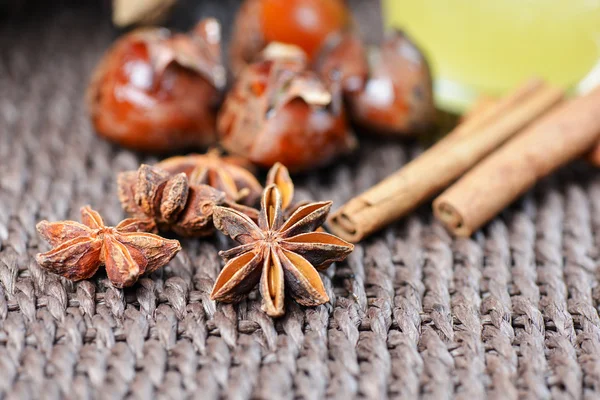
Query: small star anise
[(228, 174), (172, 202), (80, 248), (277, 252)]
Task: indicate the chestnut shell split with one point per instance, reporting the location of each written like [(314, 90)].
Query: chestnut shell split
[(158, 91), (278, 111)]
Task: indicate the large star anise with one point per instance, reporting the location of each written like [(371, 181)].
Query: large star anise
[(172, 202), (228, 174), (276, 253), (80, 248)]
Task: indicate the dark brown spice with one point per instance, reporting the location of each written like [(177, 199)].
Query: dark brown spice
[(229, 174), (275, 253), (80, 248), (397, 97), (279, 176), (344, 55), (173, 202)]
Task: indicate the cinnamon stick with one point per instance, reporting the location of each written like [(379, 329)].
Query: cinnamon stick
[(593, 156), (484, 102), (481, 105), (437, 167), (558, 137)]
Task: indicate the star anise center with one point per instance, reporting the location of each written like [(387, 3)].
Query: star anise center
[(272, 237)]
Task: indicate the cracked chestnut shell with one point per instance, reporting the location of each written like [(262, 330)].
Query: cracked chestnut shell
[(278, 111), (396, 99), (304, 23), (158, 91)]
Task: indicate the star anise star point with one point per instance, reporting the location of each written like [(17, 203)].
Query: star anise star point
[(177, 199), (228, 174), (79, 249), (277, 253)]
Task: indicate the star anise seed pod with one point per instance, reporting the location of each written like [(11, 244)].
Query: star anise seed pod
[(80, 249), (279, 176), (172, 202), (274, 253), (228, 174)]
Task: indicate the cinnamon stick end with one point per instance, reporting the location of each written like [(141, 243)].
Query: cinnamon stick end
[(451, 218), (593, 157), (342, 225)]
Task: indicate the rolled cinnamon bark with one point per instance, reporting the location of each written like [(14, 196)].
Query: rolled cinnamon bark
[(563, 134), (437, 167), (481, 105), (593, 156), (487, 109)]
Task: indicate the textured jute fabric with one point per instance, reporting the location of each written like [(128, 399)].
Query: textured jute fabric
[(509, 313)]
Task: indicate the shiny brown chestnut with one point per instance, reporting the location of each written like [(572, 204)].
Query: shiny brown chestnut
[(158, 91), (278, 111), (304, 23), (396, 99), (343, 56)]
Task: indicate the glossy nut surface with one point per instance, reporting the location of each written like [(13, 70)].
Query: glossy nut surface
[(397, 98), (304, 23), (156, 91), (280, 112)]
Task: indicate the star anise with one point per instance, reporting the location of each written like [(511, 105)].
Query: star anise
[(228, 174), (80, 248), (172, 202), (279, 176), (277, 252)]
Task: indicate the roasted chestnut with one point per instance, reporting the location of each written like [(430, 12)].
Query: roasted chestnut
[(278, 111), (397, 97), (304, 23), (343, 57), (159, 91)]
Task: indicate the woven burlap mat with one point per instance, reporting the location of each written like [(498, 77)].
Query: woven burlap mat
[(511, 312)]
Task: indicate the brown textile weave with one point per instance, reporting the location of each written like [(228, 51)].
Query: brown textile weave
[(512, 312)]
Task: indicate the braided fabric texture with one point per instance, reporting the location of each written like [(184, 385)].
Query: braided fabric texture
[(510, 313)]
